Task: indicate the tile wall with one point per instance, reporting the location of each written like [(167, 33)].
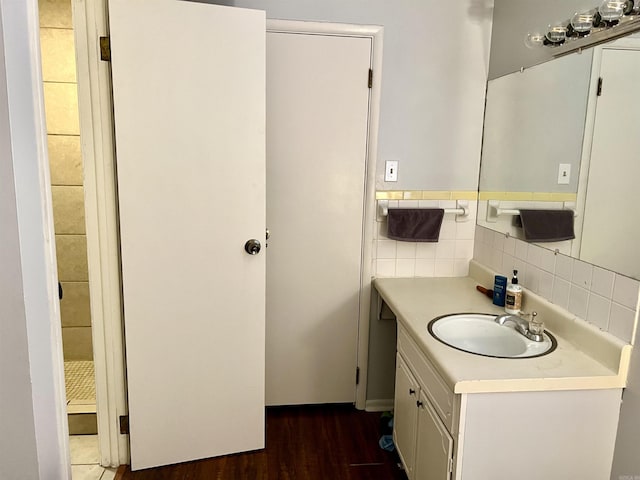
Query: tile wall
[(449, 257), (61, 105), (601, 297)]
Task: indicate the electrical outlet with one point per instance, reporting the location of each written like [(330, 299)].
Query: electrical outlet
[(564, 174), (391, 171)]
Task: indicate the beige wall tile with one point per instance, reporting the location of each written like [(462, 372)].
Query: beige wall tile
[(58, 55), (84, 424), (72, 258), (76, 343), (75, 307), (55, 13), (65, 159), (68, 209), (61, 105)]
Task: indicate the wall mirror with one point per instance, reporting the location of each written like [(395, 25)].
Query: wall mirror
[(565, 134)]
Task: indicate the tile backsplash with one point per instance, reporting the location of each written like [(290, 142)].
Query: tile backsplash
[(448, 257), (601, 297)]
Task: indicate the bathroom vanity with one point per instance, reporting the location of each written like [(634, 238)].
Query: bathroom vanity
[(469, 417)]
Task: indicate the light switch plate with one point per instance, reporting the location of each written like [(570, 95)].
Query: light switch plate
[(391, 171), (564, 174)]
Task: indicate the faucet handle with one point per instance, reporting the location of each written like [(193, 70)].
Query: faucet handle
[(536, 326)]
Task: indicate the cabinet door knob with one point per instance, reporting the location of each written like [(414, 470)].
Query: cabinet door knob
[(412, 391), (419, 404)]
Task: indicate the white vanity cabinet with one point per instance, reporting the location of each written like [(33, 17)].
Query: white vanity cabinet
[(423, 418), (405, 418), (423, 442), (528, 435), (434, 445)]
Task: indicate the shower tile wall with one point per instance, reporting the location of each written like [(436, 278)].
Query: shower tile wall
[(61, 105)]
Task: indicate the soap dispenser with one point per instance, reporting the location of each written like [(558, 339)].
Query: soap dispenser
[(513, 297)]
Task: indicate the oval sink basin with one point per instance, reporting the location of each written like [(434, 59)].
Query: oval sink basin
[(478, 333)]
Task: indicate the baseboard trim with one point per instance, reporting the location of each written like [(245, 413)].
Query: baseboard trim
[(381, 405)]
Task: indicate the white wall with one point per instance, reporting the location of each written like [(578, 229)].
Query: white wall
[(17, 442), (33, 443), (433, 82), (626, 464)]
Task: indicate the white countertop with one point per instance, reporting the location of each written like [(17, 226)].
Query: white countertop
[(592, 360)]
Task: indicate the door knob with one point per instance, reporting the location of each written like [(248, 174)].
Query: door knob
[(252, 247)]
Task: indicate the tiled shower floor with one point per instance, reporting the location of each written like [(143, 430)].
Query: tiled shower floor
[(80, 382)]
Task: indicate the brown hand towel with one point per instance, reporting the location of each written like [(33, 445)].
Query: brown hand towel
[(415, 224), (547, 225)]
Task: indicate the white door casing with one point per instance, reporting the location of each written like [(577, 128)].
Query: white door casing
[(189, 102), (317, 132)]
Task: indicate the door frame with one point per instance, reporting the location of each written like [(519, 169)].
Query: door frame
[(90, 21), (95, 105)]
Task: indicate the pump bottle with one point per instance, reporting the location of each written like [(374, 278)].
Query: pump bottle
[(513, 297)]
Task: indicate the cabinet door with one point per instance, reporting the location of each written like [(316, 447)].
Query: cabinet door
[(434, 445), (405, 417)]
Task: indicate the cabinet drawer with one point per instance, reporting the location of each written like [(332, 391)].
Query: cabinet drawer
[(439, 394)]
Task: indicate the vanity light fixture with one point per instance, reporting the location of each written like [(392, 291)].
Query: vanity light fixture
[(534, 40), (581, 24), (556, 35), (610, 12), (611, 19)]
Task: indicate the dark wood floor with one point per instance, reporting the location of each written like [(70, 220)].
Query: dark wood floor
[(303, 443)]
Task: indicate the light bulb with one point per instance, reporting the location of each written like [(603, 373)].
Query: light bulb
[(534, 40), (628, 7), (556, 34), (582, 23), (611, 10)]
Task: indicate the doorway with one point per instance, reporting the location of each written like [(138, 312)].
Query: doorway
[(66, 172)]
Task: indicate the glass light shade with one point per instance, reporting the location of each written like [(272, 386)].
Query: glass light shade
[(611, 10), (628, 7), (557, 33), (582, 22), (534, 40)]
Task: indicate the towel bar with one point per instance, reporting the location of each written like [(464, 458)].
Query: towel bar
[(494, 211), (461, 212)]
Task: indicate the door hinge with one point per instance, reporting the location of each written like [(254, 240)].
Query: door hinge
[(357, 375), (124, 424), (370, 80), (450, 468), (105, 49), (599, 86)]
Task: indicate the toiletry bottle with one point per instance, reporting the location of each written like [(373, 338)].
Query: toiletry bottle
[(499, 290), (513, 297)]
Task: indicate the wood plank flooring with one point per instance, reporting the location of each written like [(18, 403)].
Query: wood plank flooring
[(303, 443)]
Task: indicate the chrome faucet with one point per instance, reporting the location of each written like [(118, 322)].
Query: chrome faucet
[(522, 325)]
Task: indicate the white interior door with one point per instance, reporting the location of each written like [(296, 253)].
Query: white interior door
[(189, 99), (317, 120), (614, 169)]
